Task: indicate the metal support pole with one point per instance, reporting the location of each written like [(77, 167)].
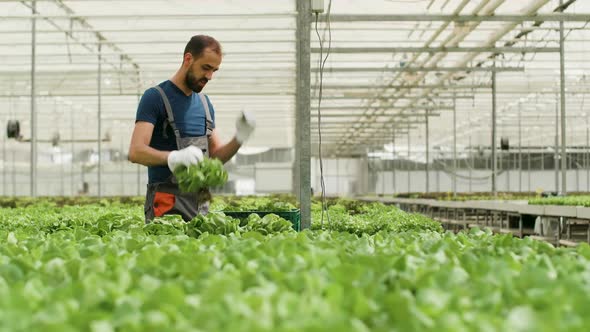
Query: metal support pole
[(62, 190), (33, 101), (303, 109), (393, 160), (99, 87), (4, 155), (494, 161), (72, 188), (576, 165), (426, 168), (556, 154), (507, 168), (454, 145), (529, 170), (61, 153), (501, 167), (519, 148), (382, 171), (437, 172), (337, 176), (587, 155), (122, 170), (13, 171), (563, 123), (138, 168), (4, 163), (409, 147), (472, 158)]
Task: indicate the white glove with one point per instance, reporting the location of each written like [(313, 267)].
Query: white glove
[(245, 125), (191, 155)]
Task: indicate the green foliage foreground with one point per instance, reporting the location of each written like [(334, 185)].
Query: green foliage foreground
[(99, 268)]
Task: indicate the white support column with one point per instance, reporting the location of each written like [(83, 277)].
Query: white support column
[(563, 110), (33, 165), (455, 170), (409, 161), (556, 154), (494, 161), (303, 145), (519, 147), (99, 115), (393, 160), (72, 184), (427, 159)]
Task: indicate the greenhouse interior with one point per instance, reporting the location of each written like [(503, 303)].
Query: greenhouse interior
[(295, 165)]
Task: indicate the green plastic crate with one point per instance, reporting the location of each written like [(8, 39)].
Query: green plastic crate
[(294, 216)]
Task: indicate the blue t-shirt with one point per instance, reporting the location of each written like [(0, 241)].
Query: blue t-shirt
[(189, 116)]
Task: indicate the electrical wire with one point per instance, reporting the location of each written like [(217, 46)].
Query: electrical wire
[(322, 64)]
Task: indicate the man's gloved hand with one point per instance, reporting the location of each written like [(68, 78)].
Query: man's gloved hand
[(191, 155), (245, 125)]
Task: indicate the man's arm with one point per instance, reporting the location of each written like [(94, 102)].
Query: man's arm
[(139, 150), (223, 152)]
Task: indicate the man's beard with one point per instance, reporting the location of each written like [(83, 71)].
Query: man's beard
[(193, 83)]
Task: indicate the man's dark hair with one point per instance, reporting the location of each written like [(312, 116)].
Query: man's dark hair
[(197, 45)]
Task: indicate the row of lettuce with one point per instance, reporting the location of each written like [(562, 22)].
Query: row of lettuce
[(105, 216), (572, 199), (364, 267), (286, 202)]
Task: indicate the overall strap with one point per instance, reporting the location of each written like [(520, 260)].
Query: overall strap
[(209, 122), (169, 115)]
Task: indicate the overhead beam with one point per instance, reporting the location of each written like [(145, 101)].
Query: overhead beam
[(334, 138), (382, 140), (336, 135), (392, 98), (205, 16), (241, 28), (367, 135), (129, 94), (364, 50), (148, 42), (88, 45), (350, 123), (404, 115), (458, 18), (392, 108), (334, 132), (409, 86), (257, 28), (419, 69), (149, 30)]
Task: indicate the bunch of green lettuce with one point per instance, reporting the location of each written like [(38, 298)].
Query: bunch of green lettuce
[(166, 225), (212, 223), (270, 223), (207, 173)]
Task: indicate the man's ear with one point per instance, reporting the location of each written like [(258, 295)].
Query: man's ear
[(188, 59)]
